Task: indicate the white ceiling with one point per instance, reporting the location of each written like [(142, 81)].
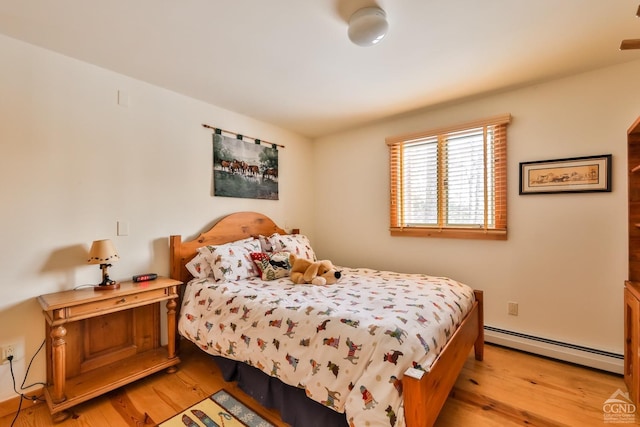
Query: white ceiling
[(290, 63)]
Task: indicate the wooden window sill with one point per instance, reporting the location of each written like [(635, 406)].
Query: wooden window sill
[(451, 233)]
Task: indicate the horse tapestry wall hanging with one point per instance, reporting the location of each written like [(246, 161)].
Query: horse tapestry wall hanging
[(244, 169)]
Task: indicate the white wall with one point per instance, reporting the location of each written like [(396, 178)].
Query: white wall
[(74, 162), (565, 259)]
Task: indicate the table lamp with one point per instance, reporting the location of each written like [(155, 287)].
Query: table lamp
[(103, 252)]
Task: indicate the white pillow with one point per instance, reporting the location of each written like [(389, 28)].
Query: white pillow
[(232, 261), (266, 243), (199, 267), (297, 244)]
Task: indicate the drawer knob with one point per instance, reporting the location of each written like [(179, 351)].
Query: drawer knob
[(121, 301)]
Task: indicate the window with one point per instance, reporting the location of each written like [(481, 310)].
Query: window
[(451, 182)]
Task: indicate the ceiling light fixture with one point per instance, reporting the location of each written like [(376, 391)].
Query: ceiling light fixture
[(368, 26)]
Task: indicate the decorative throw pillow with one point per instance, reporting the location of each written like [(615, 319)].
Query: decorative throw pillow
[(199, 267), (232, 261), (273, 265), (297, 244)]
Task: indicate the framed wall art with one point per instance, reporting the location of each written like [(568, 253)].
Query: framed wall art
[(572, 175)]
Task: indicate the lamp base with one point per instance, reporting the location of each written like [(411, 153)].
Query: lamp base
[(114, 285), (107, 284)]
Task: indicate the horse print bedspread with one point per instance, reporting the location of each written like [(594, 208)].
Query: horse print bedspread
[(346, 344)]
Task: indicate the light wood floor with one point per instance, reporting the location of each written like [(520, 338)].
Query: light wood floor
[(509, 388)]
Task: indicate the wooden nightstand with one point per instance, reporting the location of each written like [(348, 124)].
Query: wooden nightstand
[(102, 340)]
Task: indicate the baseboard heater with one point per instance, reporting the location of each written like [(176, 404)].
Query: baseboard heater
[(580, 355)]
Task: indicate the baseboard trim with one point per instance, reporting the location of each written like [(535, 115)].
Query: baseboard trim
[(10, 406), (593, 358)]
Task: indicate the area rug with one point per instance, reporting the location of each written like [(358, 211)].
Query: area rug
[(220, 409)]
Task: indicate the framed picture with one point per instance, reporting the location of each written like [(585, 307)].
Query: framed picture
[(574, 175)]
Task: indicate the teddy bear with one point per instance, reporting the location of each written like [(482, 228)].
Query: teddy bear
[(320, 272)]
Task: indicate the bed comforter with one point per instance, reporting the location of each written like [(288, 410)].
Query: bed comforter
[(348, 344)]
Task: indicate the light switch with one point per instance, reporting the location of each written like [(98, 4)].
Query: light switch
[(123, 228), (123, 98)]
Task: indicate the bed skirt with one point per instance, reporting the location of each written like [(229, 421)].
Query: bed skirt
[(293, 404)]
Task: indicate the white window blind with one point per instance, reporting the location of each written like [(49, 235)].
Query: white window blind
[(451, 179)]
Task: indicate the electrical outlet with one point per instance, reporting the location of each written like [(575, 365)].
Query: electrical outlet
[(512, 308), (8, 350)]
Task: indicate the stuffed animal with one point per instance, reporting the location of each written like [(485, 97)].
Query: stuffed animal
[(298, 268), (316, 273)]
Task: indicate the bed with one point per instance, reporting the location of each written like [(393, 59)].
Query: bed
[(385, 348)]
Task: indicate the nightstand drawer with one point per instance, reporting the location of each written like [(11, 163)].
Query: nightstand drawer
[(117, 303)]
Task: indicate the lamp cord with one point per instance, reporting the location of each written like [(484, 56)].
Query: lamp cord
[(84, 286), (22, 386)]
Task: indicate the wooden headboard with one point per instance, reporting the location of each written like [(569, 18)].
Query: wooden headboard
[(235, 226)]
